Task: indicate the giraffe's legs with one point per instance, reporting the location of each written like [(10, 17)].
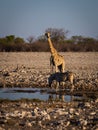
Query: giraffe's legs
[(56, 68), (63, 67), (51, 68)]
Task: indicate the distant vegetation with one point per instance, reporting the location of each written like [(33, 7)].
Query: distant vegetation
[(59, 38)]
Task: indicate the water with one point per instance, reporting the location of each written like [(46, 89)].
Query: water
[(39, 93), (31, 93)]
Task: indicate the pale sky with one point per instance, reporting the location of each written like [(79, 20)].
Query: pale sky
[(26, 18)]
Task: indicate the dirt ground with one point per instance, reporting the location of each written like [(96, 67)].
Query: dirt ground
[(84, 64)]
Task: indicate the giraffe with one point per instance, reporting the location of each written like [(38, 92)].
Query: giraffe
[(56, 59)]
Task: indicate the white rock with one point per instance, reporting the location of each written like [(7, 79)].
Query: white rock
[(71, 116), (43, 112), (54, 116), (47, 117), (39, 123), (29, 124), (77, 113), (71, 110), (87, 104), (92, 113), (60, 111), (66, 113), (29, 114), (23, 114), (59, 127), (23, 105), (96, 100), (67, 124), (84, 128), (35, 113), (83, 122), (16, 112)]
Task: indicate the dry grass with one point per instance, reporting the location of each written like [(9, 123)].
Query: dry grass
[(83, 64)]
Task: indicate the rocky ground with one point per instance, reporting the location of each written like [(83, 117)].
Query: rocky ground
[(38, 115), (27, 77), (33, 70)]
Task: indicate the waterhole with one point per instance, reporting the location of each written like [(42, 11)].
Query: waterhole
[(44, 94)]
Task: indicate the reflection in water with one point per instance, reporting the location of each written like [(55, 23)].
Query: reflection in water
[(76, 96), (60, 97), (56, 97)]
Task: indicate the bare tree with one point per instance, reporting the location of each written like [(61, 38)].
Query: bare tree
[(57, 35), (30, 39)]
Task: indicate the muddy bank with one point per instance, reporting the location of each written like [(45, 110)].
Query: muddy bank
[(36, 115)]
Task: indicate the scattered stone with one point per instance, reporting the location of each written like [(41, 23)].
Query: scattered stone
[(6, 73), (23, 114), (71, 110), (29, 124), (26, 77)]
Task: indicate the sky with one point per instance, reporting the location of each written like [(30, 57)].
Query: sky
[(25, 18)]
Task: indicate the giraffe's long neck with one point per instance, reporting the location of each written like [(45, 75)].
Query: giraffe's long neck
[(53, 50)]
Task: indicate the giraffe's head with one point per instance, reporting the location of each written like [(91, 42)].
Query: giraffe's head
[(47, 34)]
